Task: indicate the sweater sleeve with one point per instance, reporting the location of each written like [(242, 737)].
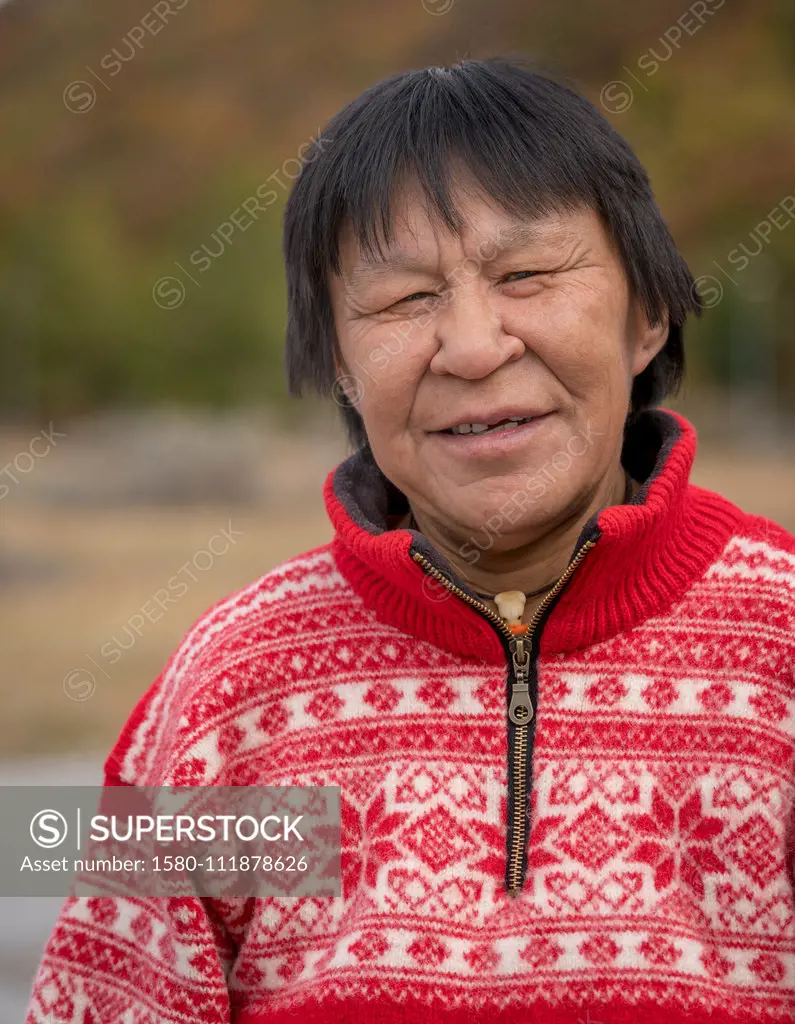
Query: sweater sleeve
[(138, 960), (134, 960), (154, 959), (131, 961)]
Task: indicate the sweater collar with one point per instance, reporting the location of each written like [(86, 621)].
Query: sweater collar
[(646, 555)]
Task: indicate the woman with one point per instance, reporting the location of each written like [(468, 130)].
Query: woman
[(552, 678)]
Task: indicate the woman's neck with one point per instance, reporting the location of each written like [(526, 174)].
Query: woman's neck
[(529, 567)]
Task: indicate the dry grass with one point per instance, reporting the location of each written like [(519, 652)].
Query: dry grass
[(105, 566), (99, 567)]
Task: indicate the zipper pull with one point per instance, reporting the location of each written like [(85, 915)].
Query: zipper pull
[(520, 710)]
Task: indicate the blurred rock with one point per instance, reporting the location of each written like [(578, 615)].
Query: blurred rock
[(159, 458)]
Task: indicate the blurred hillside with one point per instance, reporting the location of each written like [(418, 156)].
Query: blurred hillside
[(131, 133)]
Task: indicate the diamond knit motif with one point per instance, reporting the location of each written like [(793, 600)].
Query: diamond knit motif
[(541, 952), (593, 838), (438, 839), (600, 949), (660, 694), (383, 698), (659, 950), (429, 951), (371, 946), (438, 695), (755, 848), (325, 705), (482, 958)]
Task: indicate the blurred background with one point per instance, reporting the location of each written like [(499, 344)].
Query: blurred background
[(147, 445)]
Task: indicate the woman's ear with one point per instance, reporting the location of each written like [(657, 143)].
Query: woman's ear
[(649, 341)]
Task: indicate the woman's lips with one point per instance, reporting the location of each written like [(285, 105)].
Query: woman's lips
[(501, 441)]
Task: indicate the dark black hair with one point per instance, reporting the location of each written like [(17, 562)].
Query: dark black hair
[(531, 142)]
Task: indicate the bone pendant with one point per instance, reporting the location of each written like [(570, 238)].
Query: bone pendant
[(510, 605)]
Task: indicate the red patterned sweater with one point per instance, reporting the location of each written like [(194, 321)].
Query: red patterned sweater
[(655, 780)]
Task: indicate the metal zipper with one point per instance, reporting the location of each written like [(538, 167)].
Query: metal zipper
[(518, 831), (520, 708)]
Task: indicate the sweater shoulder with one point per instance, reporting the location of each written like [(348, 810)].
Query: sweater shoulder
[(759, 530), (747, 525), (751, 528), (225, 659), (757, 550)]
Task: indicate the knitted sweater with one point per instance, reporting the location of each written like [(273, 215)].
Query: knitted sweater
[(642, 816)]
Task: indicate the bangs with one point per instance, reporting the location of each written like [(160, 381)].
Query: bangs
[(445, 130)]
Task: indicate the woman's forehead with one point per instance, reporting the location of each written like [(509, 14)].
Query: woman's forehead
[(484, 226)]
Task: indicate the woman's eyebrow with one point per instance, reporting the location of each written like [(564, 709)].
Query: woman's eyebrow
[(371, 266), (519, 236)]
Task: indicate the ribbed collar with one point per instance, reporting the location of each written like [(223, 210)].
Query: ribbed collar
[(647, 552)]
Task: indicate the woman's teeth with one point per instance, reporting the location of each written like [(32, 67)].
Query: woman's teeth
[(482, 428)]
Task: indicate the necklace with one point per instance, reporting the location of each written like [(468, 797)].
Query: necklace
[(510, 603)]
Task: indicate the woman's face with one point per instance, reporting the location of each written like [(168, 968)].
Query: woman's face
[(511, 318)]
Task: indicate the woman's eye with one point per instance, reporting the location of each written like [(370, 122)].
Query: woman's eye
[(414, 296), (520, 275)]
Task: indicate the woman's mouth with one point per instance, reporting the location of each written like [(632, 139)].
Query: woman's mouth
[(510, 423), (478, 440)]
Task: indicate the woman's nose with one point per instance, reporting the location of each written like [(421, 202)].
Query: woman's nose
[(471, 339)]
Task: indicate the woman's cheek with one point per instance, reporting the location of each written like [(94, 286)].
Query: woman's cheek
[(389, 391), (579, 342), (378, 357), (380, 348)]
